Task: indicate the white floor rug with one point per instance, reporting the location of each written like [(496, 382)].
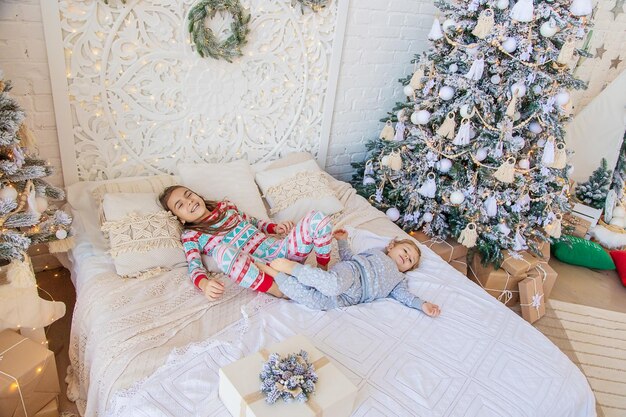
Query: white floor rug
[(595, 340)]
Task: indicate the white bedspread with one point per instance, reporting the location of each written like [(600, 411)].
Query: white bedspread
[(477, 359)]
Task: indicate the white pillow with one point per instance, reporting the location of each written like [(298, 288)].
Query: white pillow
[(232, 180), (294, 190), (143, 237), (116, 206)]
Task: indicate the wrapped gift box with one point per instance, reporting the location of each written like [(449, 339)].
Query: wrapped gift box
[(543, 248), (28, 377), (460, 264), (518, 263), (448, 249), (580, 225), (532, 299), (239, 385), (497, 282), (548, 277), (49, 410)]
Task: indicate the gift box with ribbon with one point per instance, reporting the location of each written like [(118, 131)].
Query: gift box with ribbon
[(448, 249), (532, 299), (28, 376), (543, 248), (548, 277), (460, 264), (518, 263), (497, 282), (239, 386), (579, 226)]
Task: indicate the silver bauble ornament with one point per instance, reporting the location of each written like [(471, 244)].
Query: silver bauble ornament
[(562, 98), (548, 29), (502, 4), (518, 88), (453, 68), (464, 111), (537, 89), (495, 79), (8, 193), (509, 44), (41, 204), (447, 24), (61, 234), (420, 117), (428, 217), (523, 163), (408, 91), (444, 165), (535, 127), (368, 181), (481, 154), (457, 197), (446, 93), (393, 214)]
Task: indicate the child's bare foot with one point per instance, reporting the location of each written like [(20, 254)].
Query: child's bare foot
[(323, 267), (275, 291), (283, 265)]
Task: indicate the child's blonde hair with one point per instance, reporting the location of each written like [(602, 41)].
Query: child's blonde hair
[(410, 242)]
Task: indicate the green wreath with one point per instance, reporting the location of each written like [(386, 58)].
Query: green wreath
[(206, 43)]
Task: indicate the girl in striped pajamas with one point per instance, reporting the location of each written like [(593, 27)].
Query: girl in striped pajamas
[(236, 241)]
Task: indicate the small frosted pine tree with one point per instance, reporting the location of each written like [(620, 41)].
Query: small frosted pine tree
[(619, 176), (594, 191)]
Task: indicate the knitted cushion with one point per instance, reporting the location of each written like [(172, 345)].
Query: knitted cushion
[(577, 251), (619, 257)]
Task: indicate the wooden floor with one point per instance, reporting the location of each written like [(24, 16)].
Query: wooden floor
[(601, 289)]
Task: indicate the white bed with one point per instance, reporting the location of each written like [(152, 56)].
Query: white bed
[(153, 347)]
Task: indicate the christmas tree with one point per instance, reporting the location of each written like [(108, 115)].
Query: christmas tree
[(594, 191), (477, 150), (619, 176), (25, 216)]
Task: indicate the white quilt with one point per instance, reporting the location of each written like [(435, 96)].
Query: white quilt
[(477, 359)]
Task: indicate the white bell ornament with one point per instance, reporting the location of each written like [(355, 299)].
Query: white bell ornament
[(485, 24), (469, 235), (504, 229), (387, 133), (523, 11), (416, 79), (476, 70), (384, 161), (560, 156), (506, 172), (566, 54), (553, 228), (399, 135), (435, 31), (448, 126), (463, 135), (395, 161), (491, 206), (429, 188), (519, 243), (547, 158)]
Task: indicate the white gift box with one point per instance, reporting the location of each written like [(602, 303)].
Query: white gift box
[(240, 384)]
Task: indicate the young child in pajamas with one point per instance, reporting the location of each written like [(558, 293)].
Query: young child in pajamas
[(236, 241), (357, 279)]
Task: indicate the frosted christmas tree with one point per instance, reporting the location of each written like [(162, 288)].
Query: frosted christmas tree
[(477, 151), (593, 192)]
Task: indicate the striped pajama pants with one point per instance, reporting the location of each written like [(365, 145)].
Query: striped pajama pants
[(312, 233)]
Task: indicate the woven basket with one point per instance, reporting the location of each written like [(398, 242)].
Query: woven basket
[(614, 229)]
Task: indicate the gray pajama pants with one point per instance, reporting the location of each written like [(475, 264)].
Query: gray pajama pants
[(322, 290)]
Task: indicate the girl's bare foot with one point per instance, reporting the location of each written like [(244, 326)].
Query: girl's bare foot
[(283, 265), (275, 291), (323, 267), (267, 269)]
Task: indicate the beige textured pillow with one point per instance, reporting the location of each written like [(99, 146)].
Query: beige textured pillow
[(154, 184), (294, 190), (231, 180), (143, 245)]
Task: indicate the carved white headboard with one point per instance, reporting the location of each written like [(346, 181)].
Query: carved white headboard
[(132, 97)]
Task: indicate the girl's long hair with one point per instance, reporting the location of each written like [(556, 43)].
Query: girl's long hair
[(205, 226)]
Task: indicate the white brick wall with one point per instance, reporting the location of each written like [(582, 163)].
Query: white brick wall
[(381, 39), (24, 61)]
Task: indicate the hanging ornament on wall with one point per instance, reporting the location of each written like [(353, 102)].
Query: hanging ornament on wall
[(463, 135), (485, 24), (581, 7), (400, 127), (435, 31), (560, 156), (548, 28), (393, 214), (553, 228), (457, 197), (446, 93), (547, 159), (509, 44), (476, 70), (491, 206), (416, 79), (448, 126), (506, 172), (469, 235), (387, 133), (567, 51), (429, 188), (523, 11), (420, 117)]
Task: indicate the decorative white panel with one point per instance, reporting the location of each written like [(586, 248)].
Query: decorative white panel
[(140, 99)]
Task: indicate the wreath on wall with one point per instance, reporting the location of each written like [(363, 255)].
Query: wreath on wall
[(203, 38), (315, 5)]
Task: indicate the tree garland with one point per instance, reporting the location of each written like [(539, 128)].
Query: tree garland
[(205, 42)]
